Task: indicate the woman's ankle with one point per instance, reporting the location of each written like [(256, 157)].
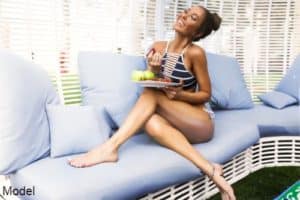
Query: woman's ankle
[(113, 143), (216, 170)]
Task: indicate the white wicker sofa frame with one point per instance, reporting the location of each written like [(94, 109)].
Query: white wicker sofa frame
[(267, 152)]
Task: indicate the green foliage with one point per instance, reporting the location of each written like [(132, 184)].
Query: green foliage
[(265, 184)]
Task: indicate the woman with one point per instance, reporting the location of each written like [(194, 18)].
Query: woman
[(179, 111)]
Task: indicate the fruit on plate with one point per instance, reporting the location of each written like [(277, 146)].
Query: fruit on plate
[(138, 75), (149, 75)]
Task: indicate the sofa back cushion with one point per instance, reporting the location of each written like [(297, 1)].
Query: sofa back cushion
[(229, 90), (290, 83), (105, 80), (24, 130)]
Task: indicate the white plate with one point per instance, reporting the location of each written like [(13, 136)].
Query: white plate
[(156, 84)]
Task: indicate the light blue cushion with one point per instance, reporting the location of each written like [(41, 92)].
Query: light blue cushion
[(274, 122), (106, 81), (290, 84), (76, 129), (229, 89), (143, 167), (24, 131), (277, 100), (119, 109)]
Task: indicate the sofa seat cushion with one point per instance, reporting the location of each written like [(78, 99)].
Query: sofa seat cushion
[(143, 166), (231, 126), (274, 122)]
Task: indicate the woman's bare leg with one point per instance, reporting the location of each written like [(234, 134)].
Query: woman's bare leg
[(108, 152), (174, 139), (165, 134)]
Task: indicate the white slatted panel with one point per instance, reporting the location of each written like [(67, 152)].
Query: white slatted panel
[(138, 19), (52, 32), (29, 29), (170, 13), (149, 29), (259, 37), (92, 27), (36, 31), (63, 39), (262, 34), (14, 20), (114, 26), (295, 30)]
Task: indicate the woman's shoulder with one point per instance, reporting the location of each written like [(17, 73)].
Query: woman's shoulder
[(195, 51), (197, 56)]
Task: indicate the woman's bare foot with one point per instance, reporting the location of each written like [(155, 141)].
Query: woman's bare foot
[(102, 153), (225, 188)]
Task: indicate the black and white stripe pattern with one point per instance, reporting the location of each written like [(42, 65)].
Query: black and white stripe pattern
[(173, 68)]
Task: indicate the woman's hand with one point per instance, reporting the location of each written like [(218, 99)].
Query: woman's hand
[(173, 92), (154, 61)]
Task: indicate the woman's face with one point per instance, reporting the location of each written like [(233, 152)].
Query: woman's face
[(189, 21)]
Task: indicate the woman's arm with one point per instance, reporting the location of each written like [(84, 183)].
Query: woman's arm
[(154, 56), (199, 63)]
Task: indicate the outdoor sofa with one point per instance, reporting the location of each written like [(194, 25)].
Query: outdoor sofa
[(247, 136)]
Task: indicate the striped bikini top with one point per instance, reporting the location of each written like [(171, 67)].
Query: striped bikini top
[(173, 68)]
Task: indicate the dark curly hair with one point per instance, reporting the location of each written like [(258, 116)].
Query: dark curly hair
[(211, 22)]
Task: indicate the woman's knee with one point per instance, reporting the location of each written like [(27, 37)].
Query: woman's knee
[(200, 132), (154, 126), (148, 96)]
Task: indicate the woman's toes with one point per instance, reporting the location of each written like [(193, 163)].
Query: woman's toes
[(224, 196), (78, 165), (70, 162), (231, 195), (75, 163), (228, 194)]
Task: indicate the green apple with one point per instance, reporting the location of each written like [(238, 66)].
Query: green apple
[(148, 75), (137, 75)]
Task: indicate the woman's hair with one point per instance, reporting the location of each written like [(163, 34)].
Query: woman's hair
[(212, 21)]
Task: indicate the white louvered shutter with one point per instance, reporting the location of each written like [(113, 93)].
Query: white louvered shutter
[(30, 28), (52, 32), (262, 34)]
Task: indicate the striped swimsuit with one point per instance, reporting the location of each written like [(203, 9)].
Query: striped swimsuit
[(173, 68)]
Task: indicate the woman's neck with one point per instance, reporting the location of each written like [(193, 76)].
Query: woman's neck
[(179, 43)]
